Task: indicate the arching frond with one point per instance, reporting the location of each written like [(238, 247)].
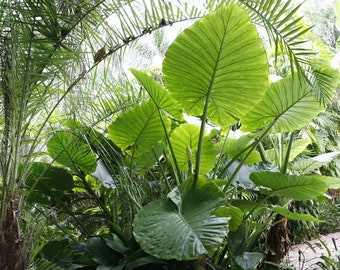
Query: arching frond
[(284, 27), (286, 32)]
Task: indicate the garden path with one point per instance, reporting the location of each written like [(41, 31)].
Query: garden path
[(305, 256)]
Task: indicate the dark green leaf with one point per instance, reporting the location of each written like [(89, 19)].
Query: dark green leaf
[(295, 187), (295, 216), (44, 177), (100, 252), (186, 229), (51, 250)]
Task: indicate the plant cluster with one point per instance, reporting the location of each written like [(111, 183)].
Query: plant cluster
[(140, 187)]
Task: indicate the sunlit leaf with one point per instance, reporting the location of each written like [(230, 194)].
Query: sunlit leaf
[(220, 63), (294, 216), (186, 137), (69, 151), (138, 130), (288, 103), (160, 97)]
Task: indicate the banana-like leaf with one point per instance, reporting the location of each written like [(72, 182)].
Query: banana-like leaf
[(219, 63), (182, 226), (158, 94), (185, 138), (69, 151), (137, 131), (288, 102), (294, 187)]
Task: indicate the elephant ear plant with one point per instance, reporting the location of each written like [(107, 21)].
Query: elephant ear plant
[(216, 70)]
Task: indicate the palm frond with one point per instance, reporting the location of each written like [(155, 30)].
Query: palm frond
[(130, 20), (286, 32), (44, 265), (284, 27)]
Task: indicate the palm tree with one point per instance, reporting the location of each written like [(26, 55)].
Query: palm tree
[(46, 51)]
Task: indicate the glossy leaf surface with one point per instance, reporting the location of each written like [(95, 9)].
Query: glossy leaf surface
[(182, 226)]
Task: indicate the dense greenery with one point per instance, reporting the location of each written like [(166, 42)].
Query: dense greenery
[(100, 168)]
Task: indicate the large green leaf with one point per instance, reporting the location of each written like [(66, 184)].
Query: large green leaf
[(294, 216), (294, 187), (100, 252), (186, 137), (45, 181), (235, 214), (69, 151), (288, 102), (52, 249), (159, 95), (234, 147), (306, 165), (137, 131), (332, 182), (43, 176), (220, 62), (182, 226), (296, 148)]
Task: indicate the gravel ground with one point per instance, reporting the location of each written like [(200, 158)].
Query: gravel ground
[(305, 256)]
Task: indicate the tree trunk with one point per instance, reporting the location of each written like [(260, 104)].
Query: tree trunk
[(278, 240), (13, 252)]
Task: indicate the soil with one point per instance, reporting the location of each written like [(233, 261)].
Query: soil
[(306, 256)]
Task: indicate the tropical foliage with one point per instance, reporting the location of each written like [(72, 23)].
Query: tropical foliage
[(100, 169)]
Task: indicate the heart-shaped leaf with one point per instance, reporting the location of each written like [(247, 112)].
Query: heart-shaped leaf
[(159, 95), (218, 62), (137, 131), (186, 137), (288, 102), (69, 151), (183, 226)]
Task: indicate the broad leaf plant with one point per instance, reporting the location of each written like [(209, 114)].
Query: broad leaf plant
[(138, 184)]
